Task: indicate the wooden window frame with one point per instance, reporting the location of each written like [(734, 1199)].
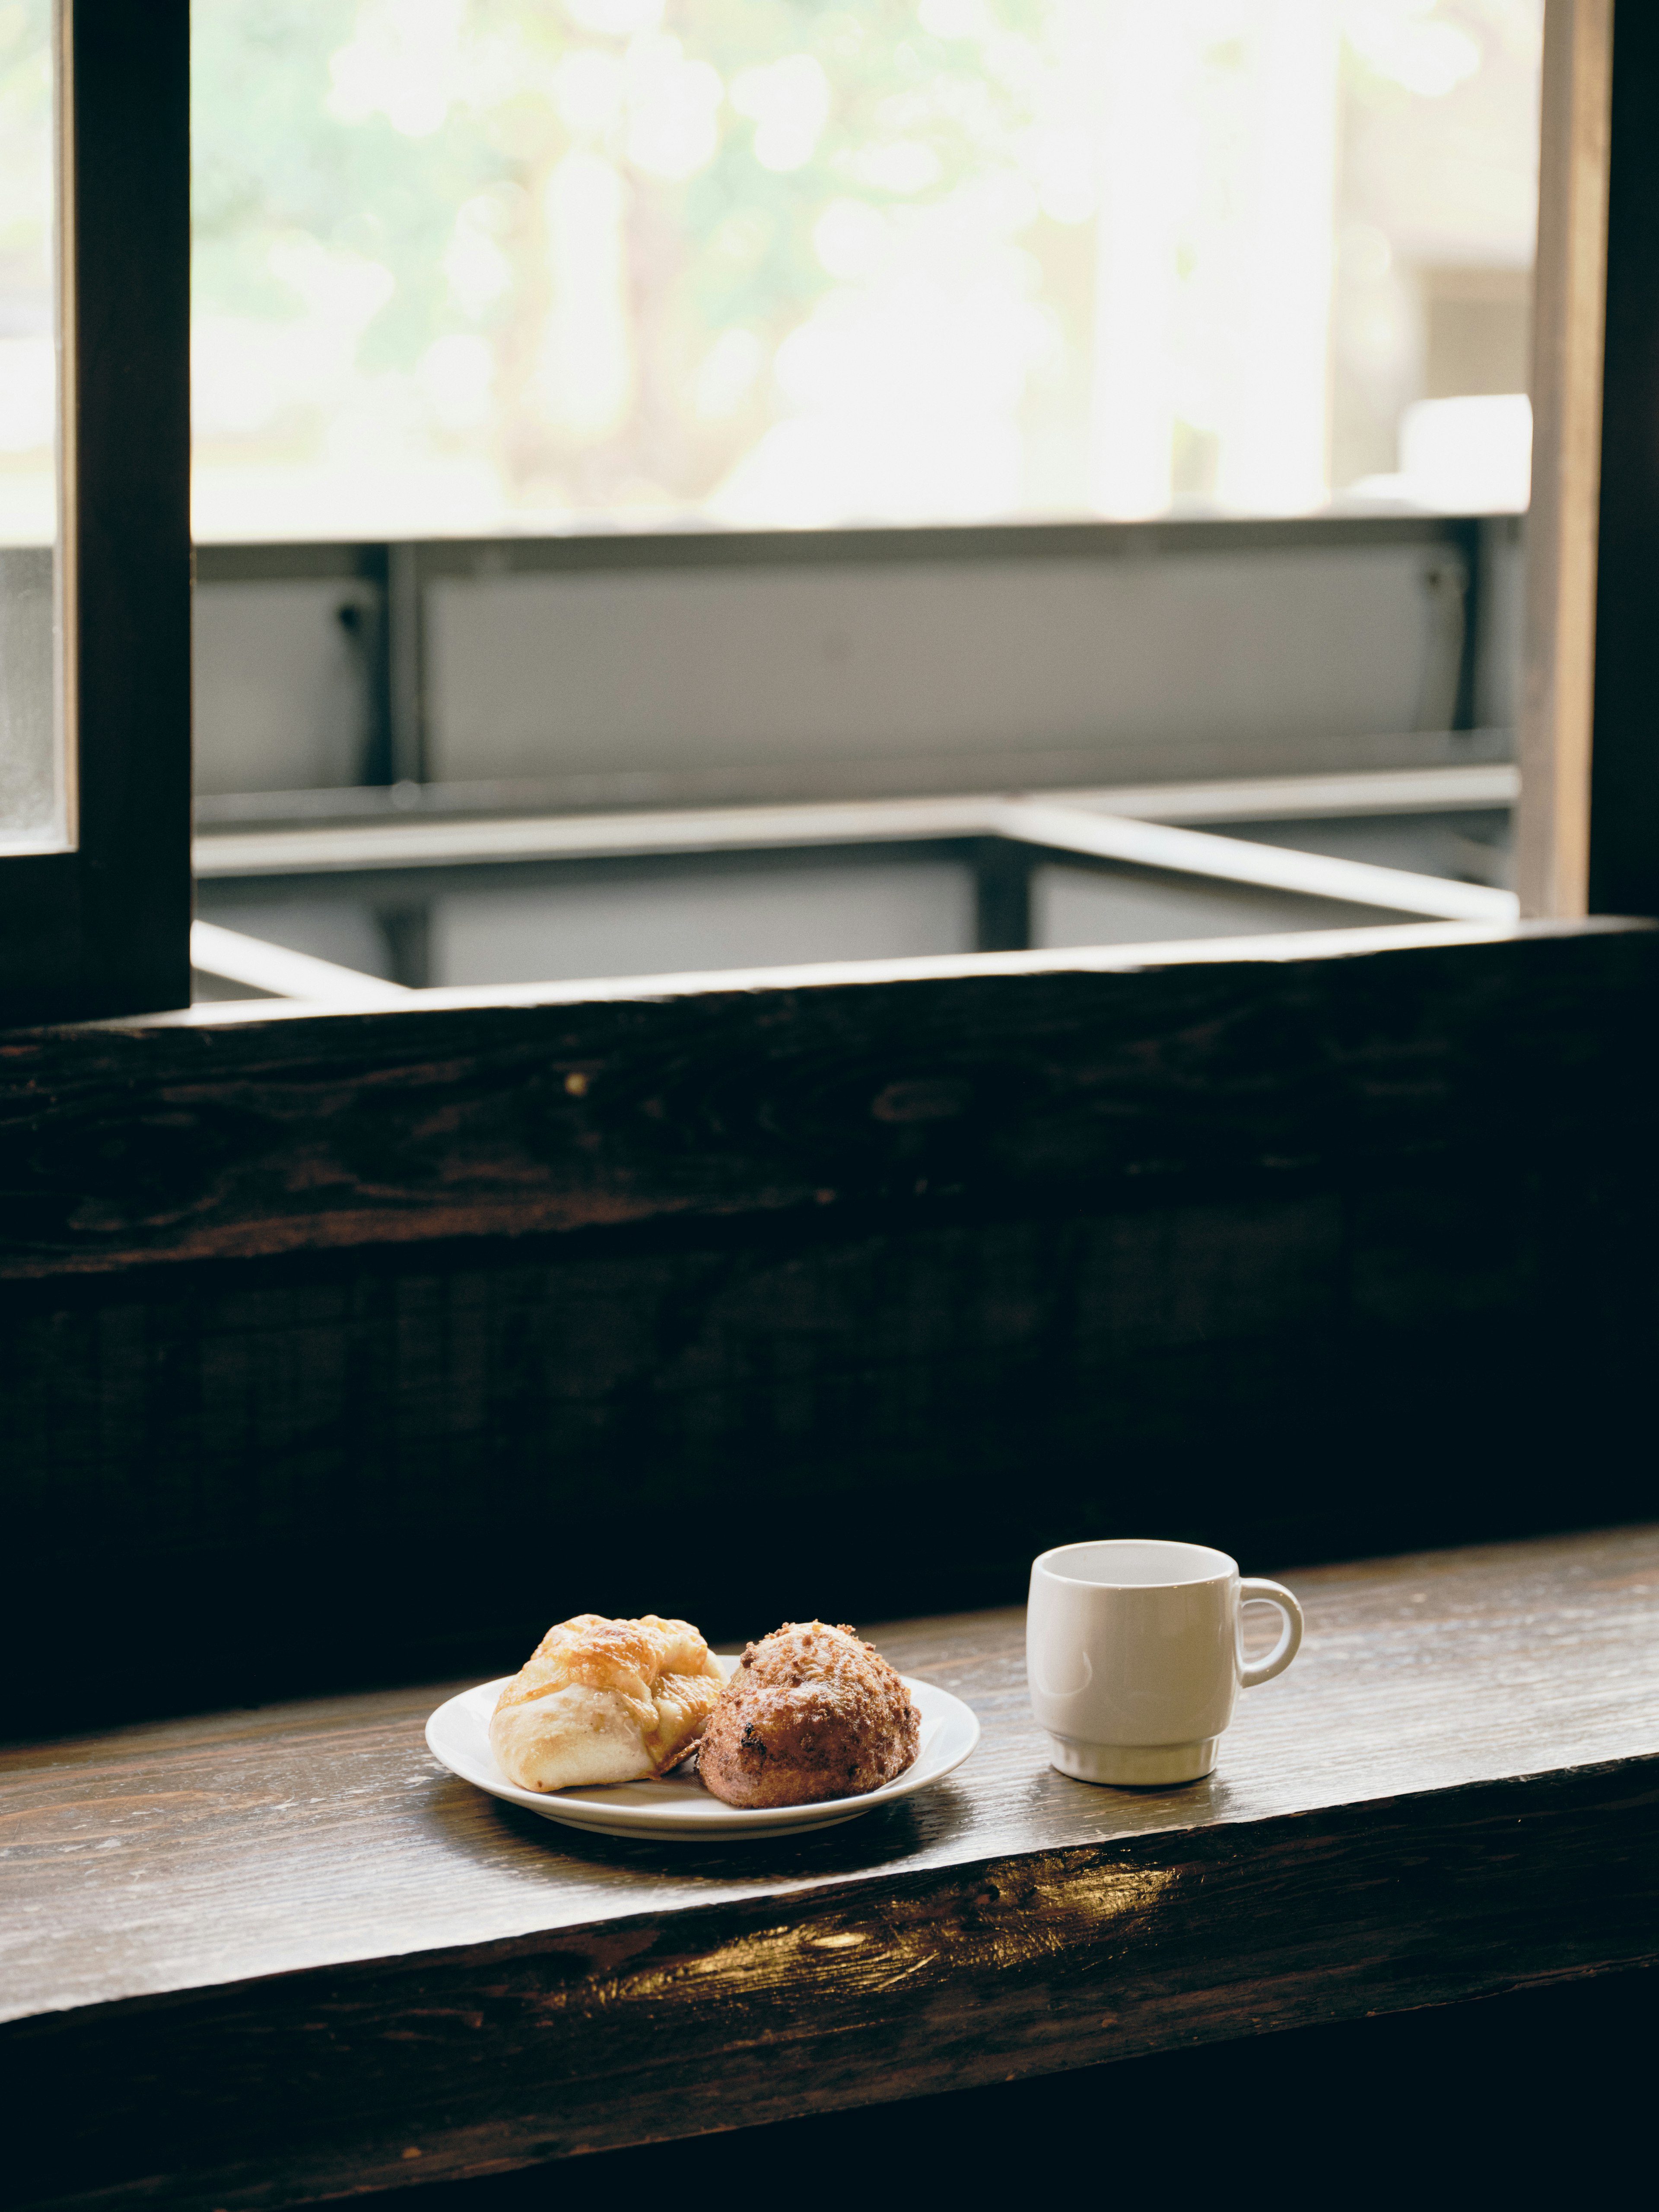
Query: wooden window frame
[(104, 928), (1588, 832), (1563, 552)]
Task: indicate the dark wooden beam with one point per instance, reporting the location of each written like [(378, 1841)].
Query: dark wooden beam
[(104, 928), (1624, 843), (919, 1089), (1310, 1251)]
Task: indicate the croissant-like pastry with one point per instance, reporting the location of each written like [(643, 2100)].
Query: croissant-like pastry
[(604, 1701)]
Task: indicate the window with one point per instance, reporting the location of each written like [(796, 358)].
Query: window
[(593, 301), (473, 266), (84, 917), (94, 894)]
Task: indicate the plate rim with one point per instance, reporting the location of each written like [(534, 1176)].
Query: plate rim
[(734, 1820)]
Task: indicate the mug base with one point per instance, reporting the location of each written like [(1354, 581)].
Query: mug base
[(1135, 1765)]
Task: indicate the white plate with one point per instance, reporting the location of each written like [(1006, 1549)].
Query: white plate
[(679, 1808)]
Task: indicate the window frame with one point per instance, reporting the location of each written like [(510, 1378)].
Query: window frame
[(103, 928)]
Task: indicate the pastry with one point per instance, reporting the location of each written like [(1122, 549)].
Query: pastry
[(810, 1713), (604, 1701)]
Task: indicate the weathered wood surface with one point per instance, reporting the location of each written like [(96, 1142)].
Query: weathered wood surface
[(292, 1952), (1558, 681), (1029, 1080), (1023, 1250), (1623, 763)]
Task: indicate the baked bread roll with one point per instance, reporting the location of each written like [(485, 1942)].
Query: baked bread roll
[(810, 1713), (604, 1701)]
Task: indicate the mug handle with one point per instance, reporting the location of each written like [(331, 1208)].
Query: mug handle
[(1250, 1672)]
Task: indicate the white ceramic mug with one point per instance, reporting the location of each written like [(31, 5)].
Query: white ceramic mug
[(1135, 1655)]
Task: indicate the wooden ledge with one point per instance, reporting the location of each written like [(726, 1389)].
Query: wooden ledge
[(299, 1958)]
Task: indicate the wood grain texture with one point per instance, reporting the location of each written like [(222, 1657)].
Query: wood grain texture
[(290, 1949), (122, 1147), (1309, 1255), (1552, 823), (265, 1480), (1624, 843)]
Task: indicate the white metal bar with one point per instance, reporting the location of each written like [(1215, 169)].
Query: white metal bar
[(337, 847), (1479, 786), (1235, 860), (265, 967), (585, 837)]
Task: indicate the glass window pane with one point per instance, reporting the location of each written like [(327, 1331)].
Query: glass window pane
[(31, 781), (472, 265)]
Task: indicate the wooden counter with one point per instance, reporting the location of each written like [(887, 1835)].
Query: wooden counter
[(296, 1957)]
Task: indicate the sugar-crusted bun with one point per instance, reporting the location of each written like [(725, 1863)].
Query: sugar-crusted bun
[(604, 1701), (811, 1712)]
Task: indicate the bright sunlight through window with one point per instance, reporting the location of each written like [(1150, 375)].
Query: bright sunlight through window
[(489, 265)]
